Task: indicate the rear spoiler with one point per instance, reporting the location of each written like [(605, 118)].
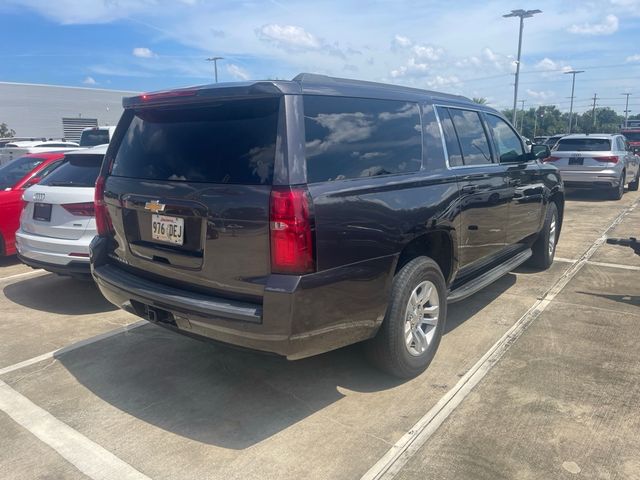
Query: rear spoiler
[(211, 92)]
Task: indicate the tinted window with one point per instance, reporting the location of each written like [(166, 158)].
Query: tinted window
[(434, 153), (472, 137), (507, 142), (355, 137), (91, 138), (230, 142), (450, 138), (583, 145), (55, 145), (14, 171), (621, 144), (77, 171)]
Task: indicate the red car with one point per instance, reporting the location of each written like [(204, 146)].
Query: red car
[(15, 177)]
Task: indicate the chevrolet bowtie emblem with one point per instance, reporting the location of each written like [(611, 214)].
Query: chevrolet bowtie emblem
[(155, 206)]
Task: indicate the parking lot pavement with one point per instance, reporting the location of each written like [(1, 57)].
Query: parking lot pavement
[(10, 266), (42, 312), (173, 407)]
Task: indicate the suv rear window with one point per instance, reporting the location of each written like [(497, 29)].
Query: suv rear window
[(632, 136), (583, 145), (358, 137), (77, 171), (227, 142), (91, 138)]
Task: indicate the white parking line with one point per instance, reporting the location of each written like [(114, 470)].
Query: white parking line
[(73, 346), (400, 453), (86, 455), (24, 274), (614, 265)]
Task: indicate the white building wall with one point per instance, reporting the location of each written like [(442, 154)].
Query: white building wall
[(36, 110)]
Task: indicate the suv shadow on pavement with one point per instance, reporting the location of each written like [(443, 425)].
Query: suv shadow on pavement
[(587, 195), (223, 396), (60, 295)]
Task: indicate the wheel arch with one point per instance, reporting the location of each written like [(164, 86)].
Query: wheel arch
[(436, 244)]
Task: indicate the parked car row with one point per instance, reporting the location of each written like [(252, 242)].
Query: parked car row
[(238, 212)]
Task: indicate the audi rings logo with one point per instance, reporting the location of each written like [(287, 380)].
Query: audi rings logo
[(38, 197)]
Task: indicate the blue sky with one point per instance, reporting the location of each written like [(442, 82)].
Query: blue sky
[(463, 47)]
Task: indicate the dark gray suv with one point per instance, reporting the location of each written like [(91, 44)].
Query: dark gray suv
[(296, 217)]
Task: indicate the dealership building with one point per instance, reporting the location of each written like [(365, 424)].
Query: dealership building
[(51, 111)]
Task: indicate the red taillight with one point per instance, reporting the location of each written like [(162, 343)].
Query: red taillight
[(291, 231), (80, 209), (103, 220), (609, 159), (551, 159)]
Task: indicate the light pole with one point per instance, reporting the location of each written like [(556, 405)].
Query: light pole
[(522, 14), (626, 109), (573, 86), (215, 65)]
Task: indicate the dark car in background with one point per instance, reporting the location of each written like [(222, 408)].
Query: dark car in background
[(296, 217)]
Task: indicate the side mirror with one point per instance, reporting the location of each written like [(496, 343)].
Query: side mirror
[(31, 182), (540, 151)]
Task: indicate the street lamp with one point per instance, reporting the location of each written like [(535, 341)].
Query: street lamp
[(573, 86), (215, 64), (522, 14)]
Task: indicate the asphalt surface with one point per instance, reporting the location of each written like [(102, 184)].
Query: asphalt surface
[(562, 401)]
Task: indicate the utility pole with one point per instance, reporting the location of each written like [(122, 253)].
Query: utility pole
[(626, 109), (522, 14), (573, 87), (215, 65), (593, 112), (522, 116), (535, 122)]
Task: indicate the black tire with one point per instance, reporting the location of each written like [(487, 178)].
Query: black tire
[(388, 350), (615, 193), (543, 254), (633, 186)]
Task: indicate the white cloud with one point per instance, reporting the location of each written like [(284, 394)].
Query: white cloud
[(634, 58), (288, 36), (428, 52), (608, 26), (549, 66), (540, 95), (440, 81), (89, 81), (400, 42), (143, 52), (237, 72)]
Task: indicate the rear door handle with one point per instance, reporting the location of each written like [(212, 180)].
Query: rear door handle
[(469, 188)]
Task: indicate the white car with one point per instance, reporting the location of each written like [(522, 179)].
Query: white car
[(58, 222), (18, 149), (93, 136)]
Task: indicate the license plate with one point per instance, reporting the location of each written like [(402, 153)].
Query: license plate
[(576, 161), (167, 229), (42, 212)]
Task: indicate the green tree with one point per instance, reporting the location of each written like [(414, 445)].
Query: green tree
[(5, 131), (480, 100)]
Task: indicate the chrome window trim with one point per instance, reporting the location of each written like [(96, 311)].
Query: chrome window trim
[(444, 143)]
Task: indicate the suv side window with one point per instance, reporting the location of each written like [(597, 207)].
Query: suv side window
[(472, 136), (450, 138), (621, 146), (358, 137), (507, 143)]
